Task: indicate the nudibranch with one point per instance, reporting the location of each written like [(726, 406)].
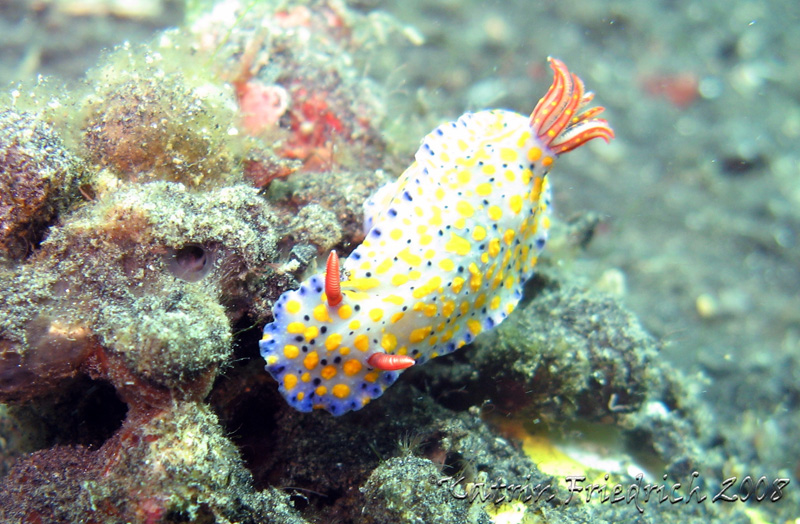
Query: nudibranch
[(448, 248)]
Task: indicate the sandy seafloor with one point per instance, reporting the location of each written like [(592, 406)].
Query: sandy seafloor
[(699, 198)]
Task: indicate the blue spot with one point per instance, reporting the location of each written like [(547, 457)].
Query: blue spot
[(392, 212), (489, 323), (355, 255), (376, 232), (439, 132), (540, 243), (407, 196)]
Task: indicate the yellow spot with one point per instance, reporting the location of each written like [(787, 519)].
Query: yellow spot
[(396, 317), (432, 341), (444, 156), (429, 287), (345, 311), (488, 169), (403, 350), (494, 247), (419, 334), (295, 327), (272, 359), (523, 137), (494, 303), (508, 236), (409, 258), (321, 391), (366, 266), (446, 264), (328, 372), (289, 381), (462, 145), (460, 223), (510, 176), (362, 284), (464, 307), (354, 325), (474, 326), (465, 208), (484, 189), (436, 219), (361, 342), (306, 377), (440, 193), (372, 376), (548, 161), (384, 266), (463, 177), (301, 395), (475, 278), (351, 367), (311, 332), (458, 245), (341, 391), (495, 213), (546, 222), (394, 299), (399, 279), (389, 342), (515, 203), (320, 313), (293, 306), (527, 174), (510, 281), (457, 283), (344, 350), (485, 257), (311, 360), (414, 274), (448, 307), (479, 233), (333, 341), (429, 310), (534, 154), (421, 229), (447, 335), (425, 239), (508, 155), (396, 234), (480, 300), (376, 314), (290, 351)]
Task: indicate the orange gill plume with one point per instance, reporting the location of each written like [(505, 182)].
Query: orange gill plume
[(556, 120)]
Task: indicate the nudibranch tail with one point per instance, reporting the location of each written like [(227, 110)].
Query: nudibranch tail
[(556, 120), (386, 362), (333, 287)]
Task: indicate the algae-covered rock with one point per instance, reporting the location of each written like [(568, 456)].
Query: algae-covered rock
[(39, 178)]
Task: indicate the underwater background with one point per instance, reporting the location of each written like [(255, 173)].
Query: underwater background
[(157, 197)]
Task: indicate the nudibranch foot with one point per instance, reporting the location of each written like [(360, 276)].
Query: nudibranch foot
[(448, 248)]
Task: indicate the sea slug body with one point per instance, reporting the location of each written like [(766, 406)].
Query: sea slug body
[(448, 249)]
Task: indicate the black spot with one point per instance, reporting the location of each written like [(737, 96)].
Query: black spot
[(319, 289), (323, 362), (317, 381), (323, 329), (337, 360), (368, 274), (306, 318), (298, 338), (357, 307)]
